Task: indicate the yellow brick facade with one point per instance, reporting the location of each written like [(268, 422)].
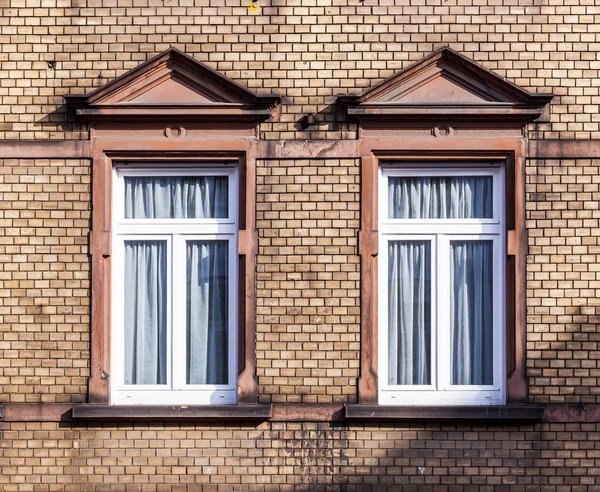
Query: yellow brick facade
[(297, 457), (562, 274), (45, 278), (308, 312), (307, 51), (308, 273)]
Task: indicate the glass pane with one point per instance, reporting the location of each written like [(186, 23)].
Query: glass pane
[(443, 197), (207, 312), (145, 312), (176, 197), (471, 312), (409, 312)]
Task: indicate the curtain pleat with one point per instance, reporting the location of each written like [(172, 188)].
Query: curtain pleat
[(145, 312), (471, 317), (409, 312), (176, 197), (207, 312), (455, 197)]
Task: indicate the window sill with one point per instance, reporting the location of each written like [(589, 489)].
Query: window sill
[(172, 412), (388, 413)]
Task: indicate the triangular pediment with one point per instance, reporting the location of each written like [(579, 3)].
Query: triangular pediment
[(177, 81), (438, 87), (173, 90), (445, 82)]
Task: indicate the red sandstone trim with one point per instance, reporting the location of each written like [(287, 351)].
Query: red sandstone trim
[(386, 413), (150, 145), (307, 412), (288, 149), (61, 412), (45, 149), (214, 413), (510, 150)]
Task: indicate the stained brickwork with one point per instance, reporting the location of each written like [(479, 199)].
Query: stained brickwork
[(298, 457), (44, 280), (308, 276), (307, 50)]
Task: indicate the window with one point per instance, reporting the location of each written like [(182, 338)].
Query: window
[(441, 285), (174, 271)]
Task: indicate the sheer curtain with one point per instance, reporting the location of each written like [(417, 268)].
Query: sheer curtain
[(179, 197), (455, 197), (207, 312), (146, 322), (471, 312), (145, 312), (409, 312)]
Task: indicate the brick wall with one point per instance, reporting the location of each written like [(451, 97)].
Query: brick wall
[(308, 273), (298, 457), (44, 280), (307, 50), (563, 222), (308, 280)]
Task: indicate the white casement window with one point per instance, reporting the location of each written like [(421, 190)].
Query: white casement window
[(441, 285), (174, 285)]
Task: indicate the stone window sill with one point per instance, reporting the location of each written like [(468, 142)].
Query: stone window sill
[(388, 413), (172, 412)]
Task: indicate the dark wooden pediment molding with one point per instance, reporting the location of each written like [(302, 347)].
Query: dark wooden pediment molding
[(174, 85), (444, 86)]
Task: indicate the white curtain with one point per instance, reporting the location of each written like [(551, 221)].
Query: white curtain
[(471, 316), (455, 197), (409, 312), (176, 197), (207, 312), (145, 312)]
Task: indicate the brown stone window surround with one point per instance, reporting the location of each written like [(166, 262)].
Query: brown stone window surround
[(444, 109), (172, 109)]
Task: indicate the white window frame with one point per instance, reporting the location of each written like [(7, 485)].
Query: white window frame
[(441, 232), (176, 232)]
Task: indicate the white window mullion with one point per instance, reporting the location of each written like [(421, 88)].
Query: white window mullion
[(435, 315), (178, 318), (443, 306)]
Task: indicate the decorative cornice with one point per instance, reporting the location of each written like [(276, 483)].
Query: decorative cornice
[(445, 87), (173, 86)]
